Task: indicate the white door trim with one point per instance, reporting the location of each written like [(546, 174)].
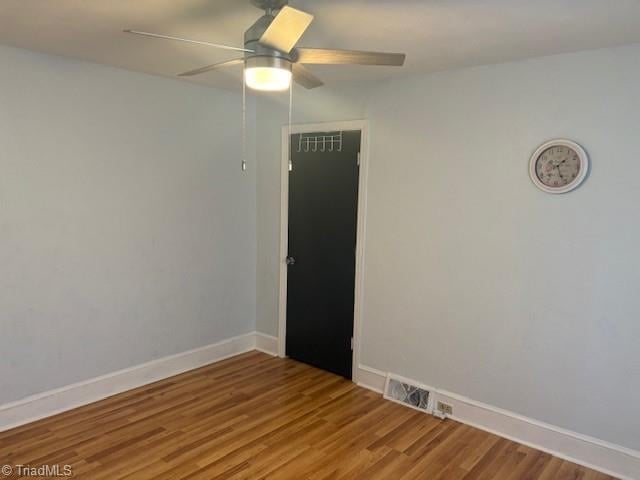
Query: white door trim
[(363, 126)]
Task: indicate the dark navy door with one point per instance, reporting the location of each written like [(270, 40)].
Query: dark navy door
[(323, 206)]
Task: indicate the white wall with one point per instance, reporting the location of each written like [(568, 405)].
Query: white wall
[(475, 281), (127, 231)]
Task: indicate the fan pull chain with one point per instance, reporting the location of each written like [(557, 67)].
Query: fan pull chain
[(244, 126), (290, 116)]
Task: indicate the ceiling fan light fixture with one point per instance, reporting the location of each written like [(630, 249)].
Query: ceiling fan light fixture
[(270, 74)]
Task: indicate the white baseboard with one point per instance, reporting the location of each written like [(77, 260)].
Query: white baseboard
[(267, 344), (75, 395), (605, 457), (371, 378)]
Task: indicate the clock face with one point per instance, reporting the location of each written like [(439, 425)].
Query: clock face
[(558, 166)]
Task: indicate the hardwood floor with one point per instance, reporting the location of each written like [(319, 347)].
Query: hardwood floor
[(257, 417)]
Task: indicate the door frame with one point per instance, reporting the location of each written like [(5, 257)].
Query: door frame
[(363, 126)]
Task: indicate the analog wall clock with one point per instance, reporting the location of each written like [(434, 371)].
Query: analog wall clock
[(559, 166)]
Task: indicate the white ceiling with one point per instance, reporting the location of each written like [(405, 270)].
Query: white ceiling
[(435, 34)]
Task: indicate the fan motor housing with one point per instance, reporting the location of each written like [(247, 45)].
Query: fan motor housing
[(270, 4), (264, 61)]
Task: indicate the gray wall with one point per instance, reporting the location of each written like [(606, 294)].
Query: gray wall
[(477, 282), (127, 231)]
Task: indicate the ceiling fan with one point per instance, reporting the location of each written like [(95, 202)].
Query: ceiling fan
[(271, 58)]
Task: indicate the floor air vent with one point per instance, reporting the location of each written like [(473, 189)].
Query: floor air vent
[(407, 393)]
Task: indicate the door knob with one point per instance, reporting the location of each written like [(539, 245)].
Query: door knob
[(291, 261)]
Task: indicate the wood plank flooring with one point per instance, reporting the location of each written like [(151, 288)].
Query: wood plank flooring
[(258, 417)]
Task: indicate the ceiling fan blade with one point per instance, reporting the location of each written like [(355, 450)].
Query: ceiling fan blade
[(208, 68), (322, 56), (304, 77), (198, 42), (286, 29)]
